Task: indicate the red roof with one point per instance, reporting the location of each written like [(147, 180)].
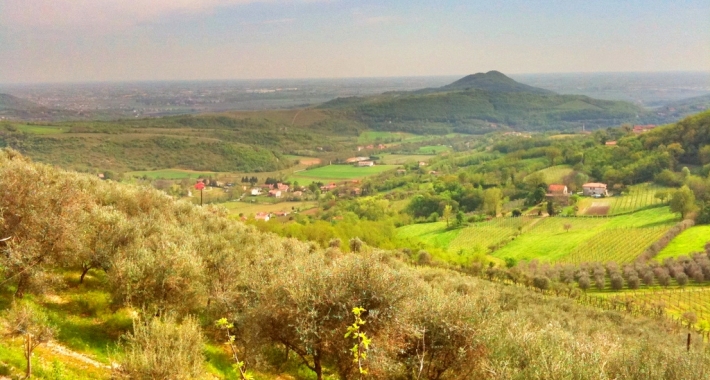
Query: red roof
[(557, 188), (594, 184)]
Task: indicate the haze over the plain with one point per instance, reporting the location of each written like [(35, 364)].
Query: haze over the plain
[(106, 40)]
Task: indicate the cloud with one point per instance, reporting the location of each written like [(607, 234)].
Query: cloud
[(78, 14)]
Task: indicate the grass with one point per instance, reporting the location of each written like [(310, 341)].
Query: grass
[(690, 240), (338, 173), (40, 129), (378, 136), (433, 149), (400, 159), (555, 174), (171, 174)]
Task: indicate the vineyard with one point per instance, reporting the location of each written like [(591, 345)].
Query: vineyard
[(601, 239), (675, 302), (638, 197), (487, 236), (621, 245)]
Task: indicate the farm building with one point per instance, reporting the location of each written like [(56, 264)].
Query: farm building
[(353, 160), (329, 187), (594, 188), (262, 216), (365, 163), (255, 191), (282, 187), (557, 189), (275, 193), (643, 128), (610, 143)]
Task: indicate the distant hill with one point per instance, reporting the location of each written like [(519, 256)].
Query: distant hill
[(481, 102), (12, 107), (9, 102), (493, 81), (684, 107)]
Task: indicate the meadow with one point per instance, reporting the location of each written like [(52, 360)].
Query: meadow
[(693, 239), (433, 149), (40, 129), (400, 159), (555, 174), (338, 173)]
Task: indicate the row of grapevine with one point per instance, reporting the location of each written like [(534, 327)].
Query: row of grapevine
[(489, 235), (621, 245)]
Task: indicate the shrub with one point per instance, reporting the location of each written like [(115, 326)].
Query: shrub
[(162, 349)]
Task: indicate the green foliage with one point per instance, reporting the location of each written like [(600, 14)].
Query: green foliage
[(362, 342), (683, 201), (162, 348)]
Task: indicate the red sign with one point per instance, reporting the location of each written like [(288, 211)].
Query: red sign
[(199, 186)]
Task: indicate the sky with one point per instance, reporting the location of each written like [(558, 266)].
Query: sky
[(129, 40)]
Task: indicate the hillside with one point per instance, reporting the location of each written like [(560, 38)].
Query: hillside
[(86, 256), (14, 108), (475, 103), (492, 81)]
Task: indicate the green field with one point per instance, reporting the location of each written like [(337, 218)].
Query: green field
[(555, 174), (620, 239), (690, 240), (433, 149), (399, 159), (639, 196), (338, 173), (591, 239), (378, 136), (40, 129), (170, 174)]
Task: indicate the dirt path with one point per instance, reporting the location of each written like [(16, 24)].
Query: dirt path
[(61, 350)]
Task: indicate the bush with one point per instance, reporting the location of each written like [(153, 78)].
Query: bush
[(162, 349)]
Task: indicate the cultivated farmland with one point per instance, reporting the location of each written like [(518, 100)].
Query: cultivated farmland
[(338, 173), (487, 236), (638, 197), (548, 240)]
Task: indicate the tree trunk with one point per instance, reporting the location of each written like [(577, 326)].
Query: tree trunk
[(318, 369), (20, 292), (28, 355), (83, 273)]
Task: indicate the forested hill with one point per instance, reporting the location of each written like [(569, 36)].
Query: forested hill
[(493, 81), (476, 102)]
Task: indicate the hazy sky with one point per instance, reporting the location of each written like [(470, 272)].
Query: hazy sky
[(97, 40)]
